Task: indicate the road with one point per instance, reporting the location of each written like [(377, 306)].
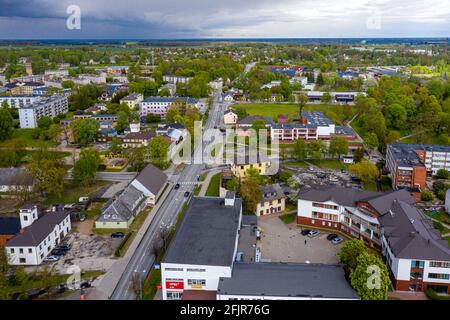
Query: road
[(142, 259)]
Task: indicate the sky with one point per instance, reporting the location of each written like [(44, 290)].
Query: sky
[(178, 19)]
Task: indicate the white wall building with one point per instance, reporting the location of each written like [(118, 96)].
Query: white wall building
[(159, 105), (176, 79), (50, 107), (133, 100), (20, 101)]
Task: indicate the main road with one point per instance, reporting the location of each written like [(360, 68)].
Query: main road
[(143, 259)]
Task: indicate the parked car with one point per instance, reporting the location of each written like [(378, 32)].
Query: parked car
[(313, 233), (334, 179), (177, 186), (117, 235), (58, 253), (331, 236), (305, 232), (64, 247), (51, 259), (311, 168), (83, 199), (82, 218), (186, 194), (321, 175), (336, 241), (356, 179), (85, 285)]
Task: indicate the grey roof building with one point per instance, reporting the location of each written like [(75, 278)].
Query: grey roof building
[(207, 233), (286, 281), (249, 120), (338, 194), (152, 178), (271, 192), (14, 177)]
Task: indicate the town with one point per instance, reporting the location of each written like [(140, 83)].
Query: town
[(349, 171)]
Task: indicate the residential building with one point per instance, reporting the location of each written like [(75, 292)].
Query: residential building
[(44, 90), (137, 139), (50, 107), (20, 101), (303, 81), (244, 161), (447, 201), (115, 70), (15, 179), (271, 84), (23, 88), (244, 125), (410, 164), (9, 227), (41, 233), (133, 100), (336, 97), (353, 212), (176, 79), (58, 73), (228, 97), (151, 182), (273, 200), (175, 131), (417, 255), (105, 135), (230, 117), (159, 105), (98, 117)]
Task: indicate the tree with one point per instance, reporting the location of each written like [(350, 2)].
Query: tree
[(251, 193), (302, 101), (4, 265), (241, 112), (115, 145), (365, 170), (54, 133), (84, 130), (123, 122), (233, 185), (426, 196), (358, 155), (12, 152), (136, 159), (442, 174), (158, 149), (152, 118), (6, 123), (371, 140), (86, 167), (316, 150), (49, 174), (395, 115), (338, 146), (370, 278), (300, 150), (392, 137), (44, 122), (350, 251), (325, 98)]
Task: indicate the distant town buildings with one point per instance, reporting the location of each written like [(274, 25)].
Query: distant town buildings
[(133, 100)]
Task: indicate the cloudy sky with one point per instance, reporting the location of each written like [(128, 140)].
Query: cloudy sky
[(152, 19)]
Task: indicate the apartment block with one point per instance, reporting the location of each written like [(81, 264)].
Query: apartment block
[(50, 107)]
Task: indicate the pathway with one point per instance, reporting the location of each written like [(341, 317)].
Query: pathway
[(205, 183)]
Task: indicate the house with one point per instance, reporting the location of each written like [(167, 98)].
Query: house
[(133, 100), (353, 212), (303, 81), (19, 101), (230, 117), (410, 164), (151, 182), (23, 88), (9, 227), (228, 97), (418, 257), (119, 212), (117, 70), (40, 234), (244, 125), (137, 139), (159, 105), (29, 115), (243, 162), (271, 84), (15, 179), (174, 131), (176, 79), (272, 200), (105, 135)]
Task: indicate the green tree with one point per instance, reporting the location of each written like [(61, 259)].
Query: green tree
[(371, 140), (300, 150), (241, 112), (233, 185), (54, 133), (84, 130), (326, 98), (338, 146), (251, 192), (350, 251), (426, 196), (316, 150), (6, 123), (136, 159), (302, 101), (115, 145), (158, 149), (395, 115), (392, 137), (86, 167), (370, 278), (358, 155), (365, 170), (442, 174), (152, 118), (123, 121), (45, 122), (48, 173)]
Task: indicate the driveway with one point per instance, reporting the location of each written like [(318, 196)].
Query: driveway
[(285, 243)]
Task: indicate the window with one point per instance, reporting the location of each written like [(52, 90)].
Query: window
[(12, 250), (22, 260), (416, 276), (417, 264), (196, 282), (443, 276), (20, 250), (439, 264), (172, 295), (25, 218), (194, 270), (173, 269), (30, 250)]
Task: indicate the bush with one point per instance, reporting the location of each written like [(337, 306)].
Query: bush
[(442, 174), (431, 294), (426, 196)]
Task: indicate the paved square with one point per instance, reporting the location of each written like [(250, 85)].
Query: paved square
[(285, 243)]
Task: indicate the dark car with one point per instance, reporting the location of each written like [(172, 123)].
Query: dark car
[(321, 175), (58, 253), (356, 179), (177, 186), (332, 236), (186, 194), (305, 232), (85, 285), (117, 235), (64, 247)]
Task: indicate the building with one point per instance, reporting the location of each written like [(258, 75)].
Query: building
[(447, 201), (50, 107), (44, 90), (58, 73), (244, 125), (19, 101), (151, 182), (285, 281), (98, 117), (116, 70), (170, 87), (175, 131), (245, 161), (23, 88), (137, 139), (230, 117), (417, 255), (120, 211), (159, 105), (15, 179), (271, 84), (176, 79), (228, 97), (303, 81), (273, 200), (336, 97), (9, 227), (203, 248), (40, 234), (133, 100), (313, 125), (353, 212), (409, 164)]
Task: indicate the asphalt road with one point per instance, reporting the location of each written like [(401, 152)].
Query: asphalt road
[(142, 260)]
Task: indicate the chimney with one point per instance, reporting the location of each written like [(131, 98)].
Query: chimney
[(229, 199)]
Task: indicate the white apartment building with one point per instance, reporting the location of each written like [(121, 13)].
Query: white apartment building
[(51, 107), (133, 100), (176, 79), (20, 101), (159, 105), (40, 234)]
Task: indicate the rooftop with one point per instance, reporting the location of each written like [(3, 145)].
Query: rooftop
[(171, 99), (406, 154), (152, 178), (287, 280), (9, 226), (207, 233), (15, 176), (122, 207)]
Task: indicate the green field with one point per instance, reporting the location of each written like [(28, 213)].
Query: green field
[(213, 188), (26, 136), (334, 112)]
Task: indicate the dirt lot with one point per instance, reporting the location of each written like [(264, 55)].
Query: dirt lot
[(285, 243)]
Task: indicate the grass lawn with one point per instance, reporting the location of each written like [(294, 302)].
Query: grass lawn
[(26, 136), (274, 109), (213, 188), (440, 227), (288, 218), (94, 211), (73, 191), (370, 186), (439, 215), (150, 284)]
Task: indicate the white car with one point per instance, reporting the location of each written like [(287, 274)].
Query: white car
[(313, 233), (51, 259), (336, 241)]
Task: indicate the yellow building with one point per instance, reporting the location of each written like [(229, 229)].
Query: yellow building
[(240, 166), (272, 200)]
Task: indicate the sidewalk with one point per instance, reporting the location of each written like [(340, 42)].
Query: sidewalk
[(206, 182), (406, 295), (104, 286)]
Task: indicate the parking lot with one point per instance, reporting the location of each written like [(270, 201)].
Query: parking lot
[(285, 243)]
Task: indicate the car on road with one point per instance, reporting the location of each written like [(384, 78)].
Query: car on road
[(117, 235), (51, 259), (332, 236), (313, 233), (336, 241), (186, 194), (321, 175), (177, 186), (305, 232), (85, 285)]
